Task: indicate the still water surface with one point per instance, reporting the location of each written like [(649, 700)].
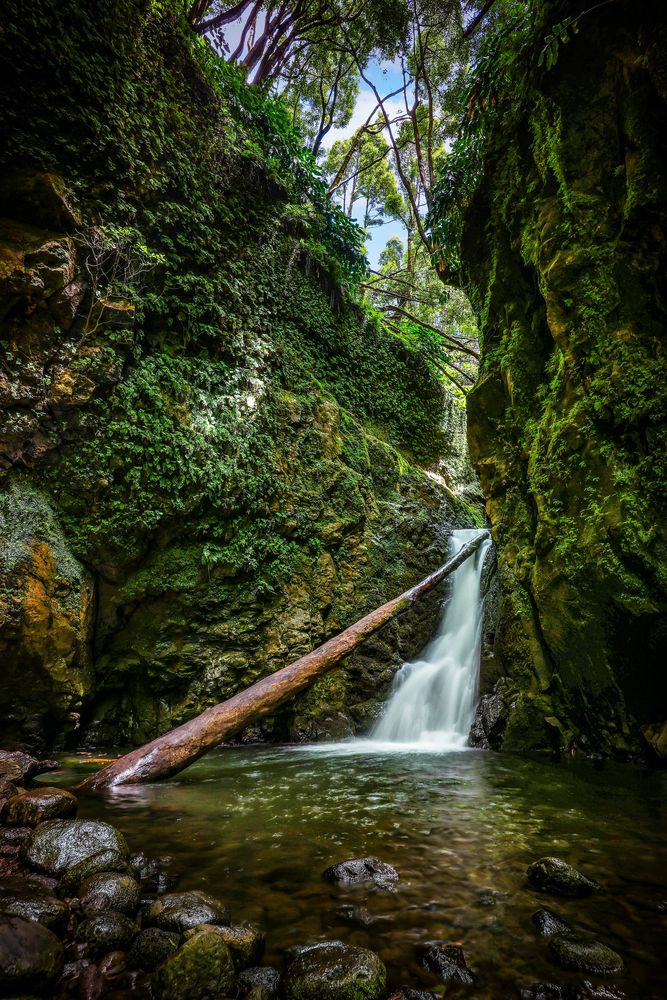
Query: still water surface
[(257, 826)]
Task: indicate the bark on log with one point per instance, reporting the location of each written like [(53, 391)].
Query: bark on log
[(169, 754)]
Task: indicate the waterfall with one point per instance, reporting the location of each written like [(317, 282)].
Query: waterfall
[(433, 699)]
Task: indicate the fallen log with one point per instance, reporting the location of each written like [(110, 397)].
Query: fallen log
[(176, 750)]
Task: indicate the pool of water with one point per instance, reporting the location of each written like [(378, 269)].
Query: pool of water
[(257, 826)]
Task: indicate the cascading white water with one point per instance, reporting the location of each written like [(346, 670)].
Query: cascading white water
[(433, 699)]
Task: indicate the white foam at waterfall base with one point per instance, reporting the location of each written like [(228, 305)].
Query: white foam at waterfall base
[(432, 703)]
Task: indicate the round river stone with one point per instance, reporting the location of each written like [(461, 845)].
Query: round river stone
[(110, 891), (101, 861), (245, 941), (107, 931), (178, 911), (31, 957), (201, 969), (59, 844), (19, 897), (335, 971), (585, 956), (151, 948), (556, 876), (37, 805)]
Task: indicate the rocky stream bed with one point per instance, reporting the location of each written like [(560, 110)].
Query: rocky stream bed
[(85, 913)]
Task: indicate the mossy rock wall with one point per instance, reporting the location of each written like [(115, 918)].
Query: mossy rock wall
[(565, 258), (205, 479)]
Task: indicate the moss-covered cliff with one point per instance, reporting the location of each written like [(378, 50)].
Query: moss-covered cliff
[(565, 258), (210, 457)]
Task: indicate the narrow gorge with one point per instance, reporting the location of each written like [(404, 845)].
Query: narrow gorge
[(296, 300)]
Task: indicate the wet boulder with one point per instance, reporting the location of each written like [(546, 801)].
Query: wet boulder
[(37, 805), (335, 971), (107, 931), (152, 947), (31, 958), (557, 877), (549, 923), (584, 955), (110, 891), (178, 911), (245, 941), (201, 969), (21, 767), (57, 845), (357, 871), (448, 962), (260, 983), (102, 861), (22, 897)]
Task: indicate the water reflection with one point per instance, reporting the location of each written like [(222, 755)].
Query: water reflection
[(258, 825)]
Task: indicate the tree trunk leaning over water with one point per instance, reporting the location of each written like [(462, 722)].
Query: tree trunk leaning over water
[(169, 754)]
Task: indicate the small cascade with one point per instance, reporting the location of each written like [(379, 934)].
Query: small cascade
[(433, 699)]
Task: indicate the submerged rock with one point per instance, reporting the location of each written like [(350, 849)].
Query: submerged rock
[(178, 911), (556, 876), (20, 897), (110, 891), (585, 956), (357, 871), (335, 971), (31, 958), (201, 969), (57, 845), (152, 947), (549, 923), (152, 873), (448, 961), (107, 931), (37, 805), (259, 983)]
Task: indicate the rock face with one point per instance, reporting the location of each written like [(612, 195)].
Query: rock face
[(563, 259), (197, 491)]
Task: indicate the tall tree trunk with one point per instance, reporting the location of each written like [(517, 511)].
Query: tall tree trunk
[(181, 747)]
